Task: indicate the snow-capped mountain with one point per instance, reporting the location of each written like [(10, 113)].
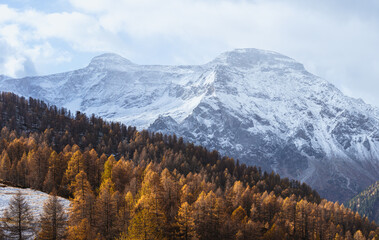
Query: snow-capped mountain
[(4, 77), (258, 106)]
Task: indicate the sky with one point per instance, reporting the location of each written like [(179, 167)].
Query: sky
[(337, 40)]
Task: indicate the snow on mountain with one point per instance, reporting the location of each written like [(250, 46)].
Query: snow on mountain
[(258, 106), (34, 198), (4, 77)]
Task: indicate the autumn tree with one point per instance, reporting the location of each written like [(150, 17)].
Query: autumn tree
[(81, 219), (18, 220), (55, 173), (207, 216), (143, 226), (125, 212), (53, 220), (105, 211), (149, 218), (185, 222), (38, 166), (74, 167), (5, 166), (359, 236), (121, 174)]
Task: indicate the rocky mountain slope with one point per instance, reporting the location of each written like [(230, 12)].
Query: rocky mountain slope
[(258, 106), (366, 203)]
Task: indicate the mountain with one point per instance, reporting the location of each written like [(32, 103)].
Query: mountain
[(133, 184), (366, 203), (258, 106), (4, 77)]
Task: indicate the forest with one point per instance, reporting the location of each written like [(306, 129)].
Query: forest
[(129, 184), (366, 203)]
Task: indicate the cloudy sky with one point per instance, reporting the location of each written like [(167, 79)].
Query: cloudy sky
[(337, 40)]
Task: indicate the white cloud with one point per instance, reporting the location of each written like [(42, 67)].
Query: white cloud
[(334, 39), (29, 36)]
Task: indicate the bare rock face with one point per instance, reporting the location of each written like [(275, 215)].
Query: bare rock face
[(258, 106)]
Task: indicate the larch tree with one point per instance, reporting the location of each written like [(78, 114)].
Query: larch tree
[(75, 166), (149, 219), (81, 218), (106, 212), (185, 222), (5, 164), (170, 200), (18, 220), (107, 174), (142, 226), (125, 212), (359, 236), (121, 174), (206, 212), (38, 166), (22, 170), (51, 180), (53, 220)]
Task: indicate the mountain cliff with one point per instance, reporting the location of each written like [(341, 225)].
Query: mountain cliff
[(258, 106)]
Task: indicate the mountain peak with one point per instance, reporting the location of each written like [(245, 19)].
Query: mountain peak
[(249, 57), (255, 105), (109, 60)]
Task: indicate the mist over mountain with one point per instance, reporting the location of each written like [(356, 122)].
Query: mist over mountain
[(258, 106)]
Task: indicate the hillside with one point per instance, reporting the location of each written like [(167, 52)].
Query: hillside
[(366, 203), (258, 106), (34, 198), (143, 185)]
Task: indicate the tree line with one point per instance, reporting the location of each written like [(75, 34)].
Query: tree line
[(128, 184)]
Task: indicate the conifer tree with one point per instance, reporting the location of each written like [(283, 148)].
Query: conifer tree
[(52, 178), (149, 218), (359, 236), (81, 231), (81, 218), (121, 174), (186, 223), (107, 174), (53, 220), (5, 166), (143, 226), (22, 170), (125, 212), (18, 220), (38, 166), (105, 211), (207, 217), (75, 166)]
